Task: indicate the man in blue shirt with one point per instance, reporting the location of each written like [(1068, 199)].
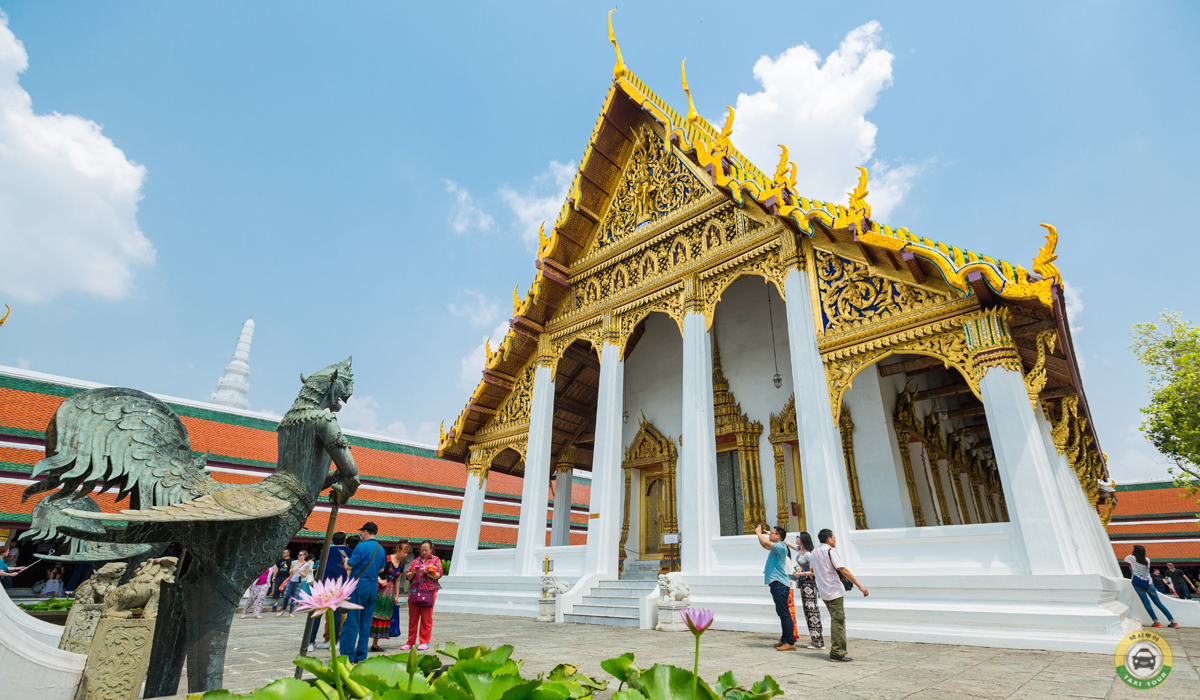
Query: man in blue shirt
[(775, 575), (365, 562), (334, 567)]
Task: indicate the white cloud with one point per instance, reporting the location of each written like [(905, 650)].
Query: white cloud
[(23, 363), (1074, 303), (466, 215), (362, 414), (1135, 465), (68, 198), (819, 112), (473, 362), (478, 308), (536, 206)]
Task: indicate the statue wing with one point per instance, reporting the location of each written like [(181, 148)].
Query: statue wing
[(102, 553), (229, 504), (49, 516), (120, 438)]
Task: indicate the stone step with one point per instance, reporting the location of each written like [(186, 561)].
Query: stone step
[(606, 610), (609, 620), (639, 576), (630, 585), (642, 564), (617, 593), (627, 603)]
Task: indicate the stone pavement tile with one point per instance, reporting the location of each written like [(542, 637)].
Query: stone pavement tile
[(897, 682), (940, 693), (1077, 686), (983, 683)]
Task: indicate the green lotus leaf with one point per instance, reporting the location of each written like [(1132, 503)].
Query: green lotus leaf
[(316, 667), (621, 667), (380, 674), (663, 682), (288, 689), (628, 694)]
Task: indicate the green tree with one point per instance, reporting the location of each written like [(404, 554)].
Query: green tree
[(1170, 351)]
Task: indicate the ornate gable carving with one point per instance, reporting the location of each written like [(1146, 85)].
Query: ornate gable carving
[(649, 447), (514, 411), (655, 183), (852, 297)]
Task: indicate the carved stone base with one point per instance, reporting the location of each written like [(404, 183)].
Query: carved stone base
[(546, 609), (117, 660), (81, 627), (670, 618)]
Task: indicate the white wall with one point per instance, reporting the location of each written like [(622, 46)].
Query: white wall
[(654, 386), (876, 453), (743, 330)]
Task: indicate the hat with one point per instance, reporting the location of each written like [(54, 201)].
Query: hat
[(369, 528)]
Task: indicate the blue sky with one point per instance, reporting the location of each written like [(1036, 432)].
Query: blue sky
[(365, 177)]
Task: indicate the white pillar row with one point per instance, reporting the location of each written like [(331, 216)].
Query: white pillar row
[(466, 540), (560, 529), (604, 516), (822, 466), (1035, 500), (696, 473), (535, 490)]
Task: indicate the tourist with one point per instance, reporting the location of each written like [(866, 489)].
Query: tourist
[(1159, 583), (291, 595), (280, 573), (365, 562), (423, 574), (1183, 584), (382, 621), (7, 574), (1139, 566), (258, 594), (402, 558), (808, 590), (52, 587), (826, 565), (335, 567), (775, 576)]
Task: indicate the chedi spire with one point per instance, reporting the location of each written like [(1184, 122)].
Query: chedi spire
[(234, 385)]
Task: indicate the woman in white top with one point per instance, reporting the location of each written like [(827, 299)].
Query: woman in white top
[(1139, 564), (300, 571), (808, 591)]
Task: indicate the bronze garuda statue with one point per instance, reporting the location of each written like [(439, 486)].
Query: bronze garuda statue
[(131, 441)]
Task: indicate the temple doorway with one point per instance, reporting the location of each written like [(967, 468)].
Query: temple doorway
[(729, 493), (654, 511)]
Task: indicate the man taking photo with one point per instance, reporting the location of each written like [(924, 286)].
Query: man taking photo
[(775, 575)]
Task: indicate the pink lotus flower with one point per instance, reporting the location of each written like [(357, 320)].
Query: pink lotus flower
[(697, 620), (328, 595)]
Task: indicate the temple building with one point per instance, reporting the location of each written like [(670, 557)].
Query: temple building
[(721, 352)]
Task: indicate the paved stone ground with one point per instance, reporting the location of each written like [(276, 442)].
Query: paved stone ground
[(262, 650)]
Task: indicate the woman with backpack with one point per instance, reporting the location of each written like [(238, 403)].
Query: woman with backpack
[(1139, 565)]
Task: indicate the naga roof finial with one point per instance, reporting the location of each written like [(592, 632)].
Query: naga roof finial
[(619, 68), (7, 313), (858, 198), (692, 117), (1043, 262)]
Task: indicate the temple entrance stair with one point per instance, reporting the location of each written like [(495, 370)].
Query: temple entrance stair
[(615, 603)]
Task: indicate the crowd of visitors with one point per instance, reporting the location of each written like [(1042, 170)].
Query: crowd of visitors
[(818, 572), (387, 581)]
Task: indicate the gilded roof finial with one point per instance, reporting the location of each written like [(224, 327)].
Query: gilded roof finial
[(692, 117), (858, 198), (516, 301), (781, 170), (7, 313), (727, 130), (1043, 263), (619, 69)]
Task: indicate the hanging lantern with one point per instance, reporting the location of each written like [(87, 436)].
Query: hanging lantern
[(777, 380), (625, 416)]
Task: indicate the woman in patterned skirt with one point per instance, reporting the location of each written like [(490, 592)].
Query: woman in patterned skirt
[(808, 591), (258, 593), (385, 604)]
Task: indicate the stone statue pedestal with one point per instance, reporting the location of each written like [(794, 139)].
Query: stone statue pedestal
[(81, 627), (546, 607), (117, 660), (670, 617)]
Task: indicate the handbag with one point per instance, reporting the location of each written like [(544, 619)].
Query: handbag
[(422, 597), (845, 581), (1140, 583)]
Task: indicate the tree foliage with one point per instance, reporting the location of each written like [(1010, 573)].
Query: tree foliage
[(1170, 351)]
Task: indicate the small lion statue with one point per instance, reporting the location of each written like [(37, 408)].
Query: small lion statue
[(93, 590), (552, 587), (142, 591), (673, 590)]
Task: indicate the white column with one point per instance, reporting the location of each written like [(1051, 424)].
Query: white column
[(604, 517), (469, 520), (826, 491), (696, 472), (1036, 505), (560, 531), (535, 491)]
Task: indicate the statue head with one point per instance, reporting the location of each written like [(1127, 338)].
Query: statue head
[(330, 387)]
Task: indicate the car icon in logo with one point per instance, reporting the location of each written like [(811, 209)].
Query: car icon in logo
[(1144, 659)]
